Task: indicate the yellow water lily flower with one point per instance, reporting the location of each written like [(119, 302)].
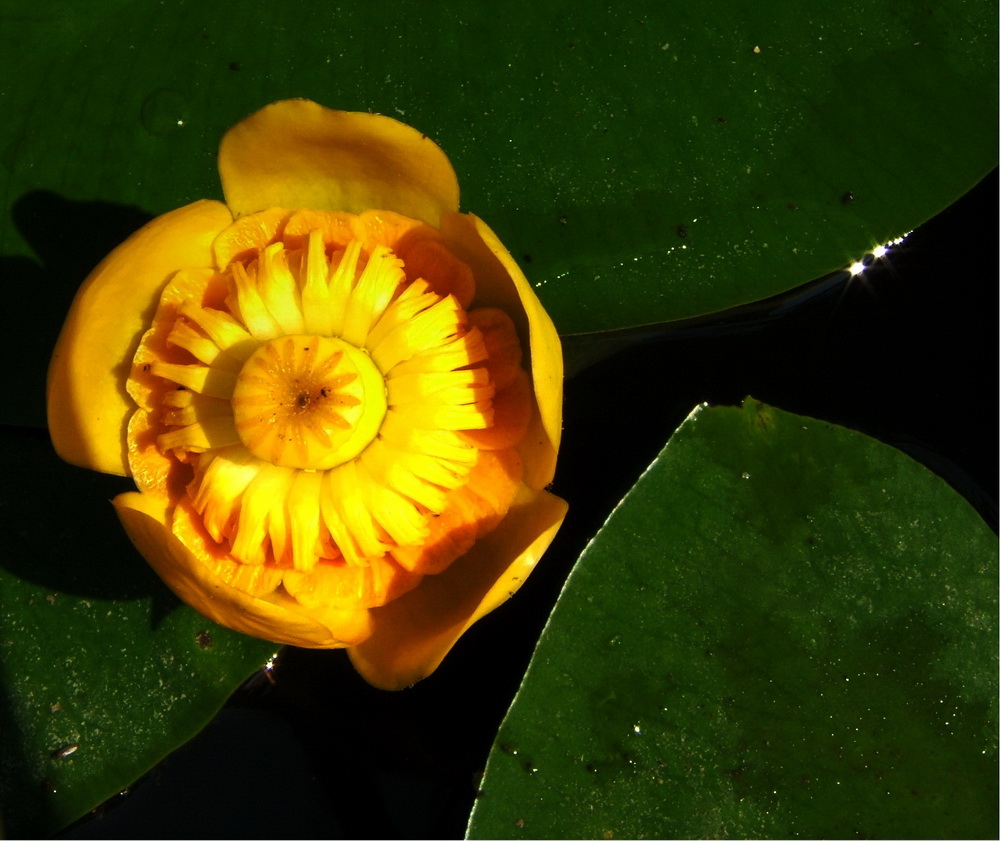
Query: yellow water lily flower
[(339, 398)]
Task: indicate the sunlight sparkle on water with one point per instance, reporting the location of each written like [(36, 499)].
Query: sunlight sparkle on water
[(879, 252)]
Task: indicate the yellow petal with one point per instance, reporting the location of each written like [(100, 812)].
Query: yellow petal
[(501, 284), (88, 407), (296, 153), (277, 617), (414, 633)]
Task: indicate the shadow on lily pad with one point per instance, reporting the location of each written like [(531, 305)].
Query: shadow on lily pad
[(69, 238), (61, 531)]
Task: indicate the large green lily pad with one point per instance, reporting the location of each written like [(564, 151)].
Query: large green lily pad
[(645, 161), (786, 629)]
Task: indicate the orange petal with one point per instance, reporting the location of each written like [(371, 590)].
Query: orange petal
[(414, 633), (151, 470), (384, 227), (88, 407), (500, 283), (445, 273), (276, 617), (248, 235), (348, 585), (512, 411), (145, 389), (296, 153), (470, 512), (336, 228), (502, 344)]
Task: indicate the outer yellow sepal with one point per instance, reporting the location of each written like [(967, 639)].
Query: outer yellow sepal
[(502, 284), (308, 159), (415, 632), (88, 407), (295, 153), (278, 617)]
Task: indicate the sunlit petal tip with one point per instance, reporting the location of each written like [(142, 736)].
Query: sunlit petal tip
[(296, 153), (413, 634), (88, 406), (146, 521)]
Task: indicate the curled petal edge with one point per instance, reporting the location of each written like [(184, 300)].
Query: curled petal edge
[(88, 406), (414, 633), (502, 284), (278, 618), (296, 153)]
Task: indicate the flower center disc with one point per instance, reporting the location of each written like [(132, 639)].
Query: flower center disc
[(309, 402)]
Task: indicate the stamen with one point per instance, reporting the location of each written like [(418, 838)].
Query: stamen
[(222, 329), (372, 294), (203, 349), (193, 408), (430, 329), (478, 415), (218, 486), (354, 510), (347, 517), (398, 516), (180, 398), (464, 386), (340, 535), (261, 515), (207, 434), (457, 353), (208, 381), (279, 289), (305, 519), (440, 443), (249, 306), (317, 309), (278, 527), (413, 299), (400, 470), (341, 285)]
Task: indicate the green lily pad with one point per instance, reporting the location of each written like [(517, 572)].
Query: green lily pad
[(645, 162), (102, 671), (786, 629)]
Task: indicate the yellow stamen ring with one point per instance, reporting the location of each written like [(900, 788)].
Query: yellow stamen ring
[(321, 411), (308, 402)]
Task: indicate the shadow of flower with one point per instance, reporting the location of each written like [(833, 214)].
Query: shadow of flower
[(68, 239)]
